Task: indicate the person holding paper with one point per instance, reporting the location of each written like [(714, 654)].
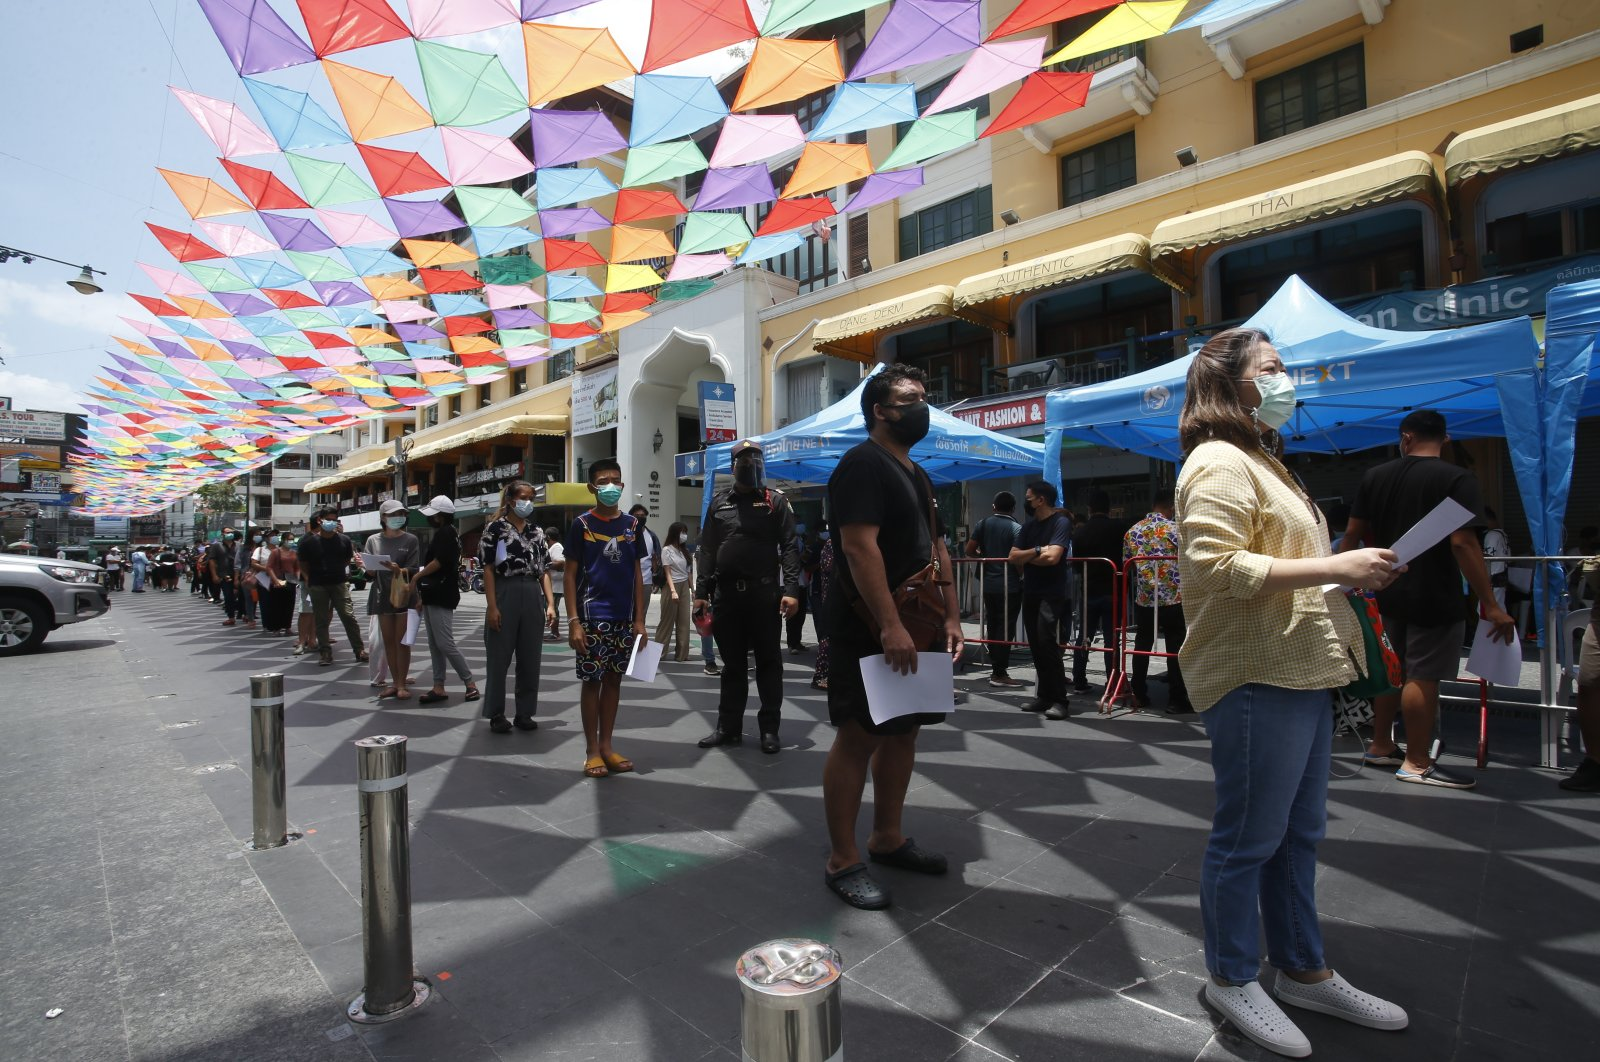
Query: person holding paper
[(439, 587), (605, 604), (1422, 610), (879, 503), (1266, 646), (516, 582)]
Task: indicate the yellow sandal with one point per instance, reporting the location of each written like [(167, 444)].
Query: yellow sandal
[(595, 767)]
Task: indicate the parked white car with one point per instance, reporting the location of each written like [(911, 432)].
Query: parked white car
[(40, 594)]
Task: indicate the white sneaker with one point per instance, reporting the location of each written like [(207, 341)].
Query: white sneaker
[(1255, 1015), (1338, 997)]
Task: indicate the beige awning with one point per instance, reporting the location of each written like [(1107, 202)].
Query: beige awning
[(1172, 245), (545, 424), (855, 334), (988, 298), (1562, 130), (346, 476)]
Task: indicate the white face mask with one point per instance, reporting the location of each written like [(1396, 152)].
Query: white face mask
[(1277, 399), (522, 507)]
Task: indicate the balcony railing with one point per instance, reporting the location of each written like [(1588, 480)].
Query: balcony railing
[(1099, 60)]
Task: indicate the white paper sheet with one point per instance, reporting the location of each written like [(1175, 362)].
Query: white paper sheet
[(644, 661), (1494, 661), (374, 562), (931, 688), (500, 552), (1447, 516), (264, 580), (412, 622)]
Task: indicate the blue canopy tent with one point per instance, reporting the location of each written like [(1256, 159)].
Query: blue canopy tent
[(1355, 383), (807, 450)]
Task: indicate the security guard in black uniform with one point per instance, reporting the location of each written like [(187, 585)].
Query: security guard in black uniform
[(748, 533)]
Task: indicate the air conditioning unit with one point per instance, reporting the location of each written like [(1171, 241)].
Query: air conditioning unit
[(1049, 372)]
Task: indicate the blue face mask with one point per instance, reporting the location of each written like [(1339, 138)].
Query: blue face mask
[(229, 536), (394, 523), (609, 494), (522, 507), (330, 525)]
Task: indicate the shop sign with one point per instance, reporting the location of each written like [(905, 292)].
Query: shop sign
[(29, 425), (594, 401), (690, 465), (719, 421), (1000, 416), (490, 475), (1463, 304)]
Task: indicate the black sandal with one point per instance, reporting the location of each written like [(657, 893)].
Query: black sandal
[(472, 694), (855, 887), (909, 857), (432, 698)]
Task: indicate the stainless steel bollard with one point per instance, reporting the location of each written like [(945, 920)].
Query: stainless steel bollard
[(791, 1002), (270, 816), (389, 985)]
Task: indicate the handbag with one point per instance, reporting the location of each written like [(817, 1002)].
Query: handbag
[(1383, 663), (918, 600), (400, 590)]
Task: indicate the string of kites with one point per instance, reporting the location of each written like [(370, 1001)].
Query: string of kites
[(378, 259)]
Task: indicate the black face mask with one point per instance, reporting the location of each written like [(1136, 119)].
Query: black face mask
[(912, 427)]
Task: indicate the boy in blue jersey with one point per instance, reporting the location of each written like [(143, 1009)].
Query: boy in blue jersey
[(606, 602)]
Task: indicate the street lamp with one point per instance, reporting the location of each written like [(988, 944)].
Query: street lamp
[(83, 283)]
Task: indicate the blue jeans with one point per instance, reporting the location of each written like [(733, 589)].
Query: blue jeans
[(1270, 750), (707, 651)]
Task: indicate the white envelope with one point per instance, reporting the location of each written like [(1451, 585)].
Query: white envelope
[(931, 688), (644, 661)]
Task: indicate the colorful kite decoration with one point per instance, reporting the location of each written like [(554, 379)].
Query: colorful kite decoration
[(404, 201)]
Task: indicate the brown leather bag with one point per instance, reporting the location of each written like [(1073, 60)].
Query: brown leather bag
[(919, 599)]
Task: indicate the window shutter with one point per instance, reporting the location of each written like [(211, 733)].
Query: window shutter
[(908, 237), (983, 220)]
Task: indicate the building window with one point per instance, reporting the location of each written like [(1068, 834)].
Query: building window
[(925, 98), (430, 416), (455, 406), (1381, 250), (519, 381), (294, 462), (1098, 170), (329, 460), (956, 356), (1542, 214), (559, 367), (946, 223), (1087, 328), (811, 265), (804, 390), (1320, 91)]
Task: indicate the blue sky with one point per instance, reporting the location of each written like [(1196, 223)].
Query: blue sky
[(89, 119)]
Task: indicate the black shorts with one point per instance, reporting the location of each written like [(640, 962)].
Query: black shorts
[(1431, 653), (847, 696)]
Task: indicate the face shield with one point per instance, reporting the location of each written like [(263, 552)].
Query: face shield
[(749, 471)]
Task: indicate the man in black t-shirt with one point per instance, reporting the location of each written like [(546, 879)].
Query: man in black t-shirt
[(1099, 538), (1042, 544), (1422, 608), (325, 557), (993, 536), (879, 501)]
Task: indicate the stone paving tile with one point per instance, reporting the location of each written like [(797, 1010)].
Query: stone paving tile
[(562, 918)]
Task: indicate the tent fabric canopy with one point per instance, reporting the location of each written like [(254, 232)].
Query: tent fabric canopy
[(1408, 174), (854, 335), (1565, 129), (1354, 384), (807, 450), (987, 299)]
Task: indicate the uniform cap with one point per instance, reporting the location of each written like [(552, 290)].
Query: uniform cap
[(745, 446)]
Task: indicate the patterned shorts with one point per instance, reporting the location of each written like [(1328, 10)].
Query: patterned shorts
[(609, 644)]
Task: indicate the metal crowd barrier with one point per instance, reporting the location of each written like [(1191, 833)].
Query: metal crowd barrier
[(1127, 587)]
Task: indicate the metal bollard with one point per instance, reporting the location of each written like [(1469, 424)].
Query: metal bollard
[(390, 988), (791, 1002), (270, 816)]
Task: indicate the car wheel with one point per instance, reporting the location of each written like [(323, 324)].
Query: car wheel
[(23, 626)]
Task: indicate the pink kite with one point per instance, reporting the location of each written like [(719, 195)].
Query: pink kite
[(756, 138), (481, 158), (226, 125), (992, 66)]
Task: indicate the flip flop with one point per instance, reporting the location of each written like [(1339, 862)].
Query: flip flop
[(618, 763), (595, 767), (855, 886), (472, 694), (909, 857), (432, 698)]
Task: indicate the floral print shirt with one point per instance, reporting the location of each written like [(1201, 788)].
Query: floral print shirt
[(1154, 582), (527, 553)]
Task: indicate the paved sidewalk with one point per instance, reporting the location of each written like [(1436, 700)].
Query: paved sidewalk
[(562, 918)]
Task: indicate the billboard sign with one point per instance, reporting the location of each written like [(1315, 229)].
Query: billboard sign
[(594, 401), (25, 424), (719, 421)]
